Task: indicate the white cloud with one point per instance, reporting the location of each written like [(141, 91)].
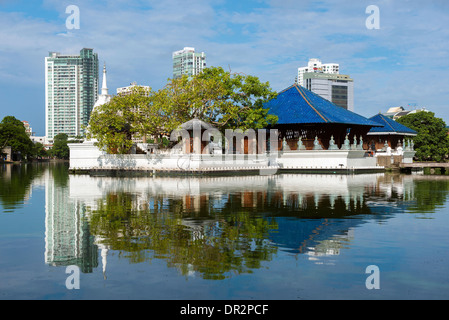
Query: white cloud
[(270, 39)]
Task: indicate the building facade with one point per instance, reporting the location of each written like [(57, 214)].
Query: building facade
[(71, 90), (188, 62), (316, 66), (337, 88), (124, 91)]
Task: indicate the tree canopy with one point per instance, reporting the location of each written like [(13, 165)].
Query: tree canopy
[(223, 99), (60, 148), (13, 134), (432, 141)]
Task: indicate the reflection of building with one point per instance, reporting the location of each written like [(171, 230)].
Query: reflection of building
[(67, 235), (190, 218)]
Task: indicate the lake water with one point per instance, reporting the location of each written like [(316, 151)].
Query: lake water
[(286, 236)]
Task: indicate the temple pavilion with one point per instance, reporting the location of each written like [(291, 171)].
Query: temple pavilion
[(390, 132), (305, 118)]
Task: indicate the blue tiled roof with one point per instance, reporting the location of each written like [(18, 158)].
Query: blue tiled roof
[(390, 126), (297, 105)]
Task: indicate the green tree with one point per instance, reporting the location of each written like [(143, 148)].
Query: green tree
[(13, 134), (115, 123), (39, 151), (60, 148), (223, 99), (432, 141)]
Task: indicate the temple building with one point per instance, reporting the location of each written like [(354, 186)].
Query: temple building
[(391, 133), (306, 120), (104, 97)]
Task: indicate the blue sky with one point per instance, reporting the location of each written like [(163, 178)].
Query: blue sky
[(404, 62)]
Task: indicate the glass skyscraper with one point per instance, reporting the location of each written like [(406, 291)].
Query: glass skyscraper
[(71, 90), (187, 62)]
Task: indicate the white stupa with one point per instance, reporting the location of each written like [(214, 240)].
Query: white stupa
[(104, 97)]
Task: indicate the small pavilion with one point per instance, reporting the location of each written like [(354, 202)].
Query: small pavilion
[(308, 121), (391, 132)]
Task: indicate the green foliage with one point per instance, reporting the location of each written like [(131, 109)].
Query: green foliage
[(60, 148), (114, 124), (39, 151), (225, 100), (432, 141), (13, 134), (235, 242)]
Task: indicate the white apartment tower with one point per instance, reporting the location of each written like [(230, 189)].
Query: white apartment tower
[(325, 80), (71, 90), (188, 62), (316, 66)]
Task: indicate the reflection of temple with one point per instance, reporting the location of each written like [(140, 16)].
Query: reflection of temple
[(306, 213)]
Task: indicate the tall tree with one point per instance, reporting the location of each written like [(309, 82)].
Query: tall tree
[(115, 123), (432, 141), (13, 134), (223, 99), (60, 148)]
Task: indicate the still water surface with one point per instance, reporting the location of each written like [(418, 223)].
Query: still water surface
[(289, 236)]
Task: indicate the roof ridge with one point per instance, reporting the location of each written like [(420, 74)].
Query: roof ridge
[(308, 102), (387, 122)]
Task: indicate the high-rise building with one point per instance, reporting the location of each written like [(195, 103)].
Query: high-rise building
[(337, 88), (71, 90), (316, 66), (187, 62), (326, 81)]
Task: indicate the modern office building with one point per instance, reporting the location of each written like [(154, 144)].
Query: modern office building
[(325, 80), (316, 66), (71, 90), (337, 88), (188, 62)]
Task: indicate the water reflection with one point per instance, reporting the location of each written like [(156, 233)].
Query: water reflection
[(213, 227), (15, 184)]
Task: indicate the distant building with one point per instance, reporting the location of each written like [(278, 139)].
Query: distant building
[(337, 88), (326, 81), (71, 90), (397, 112), (127, 90), (28, 128), (188, 62), (316, 66)]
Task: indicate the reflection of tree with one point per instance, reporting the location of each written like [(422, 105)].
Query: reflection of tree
[(15, 182), (228, 243), (429, 193), (420, 194)]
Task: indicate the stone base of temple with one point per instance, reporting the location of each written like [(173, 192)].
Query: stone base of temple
[(87, 158)]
